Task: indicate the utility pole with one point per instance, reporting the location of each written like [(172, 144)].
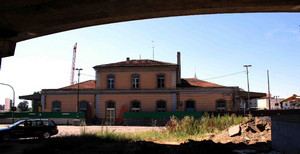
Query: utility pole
[(77, 106), (269, 95), (153, 49), (247, 72)]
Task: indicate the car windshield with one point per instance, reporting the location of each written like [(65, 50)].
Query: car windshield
[(17, 123)]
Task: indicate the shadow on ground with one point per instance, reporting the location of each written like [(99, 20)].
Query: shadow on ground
[(94, 144)]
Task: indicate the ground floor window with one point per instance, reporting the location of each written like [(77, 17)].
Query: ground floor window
[(83, 105), (221, 105), (135, 106), (110, 113), (190, 106), (161, 106), (56, 106)]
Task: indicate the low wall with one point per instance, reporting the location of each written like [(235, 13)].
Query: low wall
[(285, 133)]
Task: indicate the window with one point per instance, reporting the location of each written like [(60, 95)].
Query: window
[(161, 106), (190, 106), (276, 104), (135, 81), (160, 81), (135, 106), (110, 104), (110, 81), (110, 113), (221, 105), (56, 106), (83, 105)]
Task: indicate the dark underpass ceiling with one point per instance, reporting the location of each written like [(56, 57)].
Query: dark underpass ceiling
[(25, 19)]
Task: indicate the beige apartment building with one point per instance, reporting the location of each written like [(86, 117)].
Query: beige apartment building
[(141, 86)]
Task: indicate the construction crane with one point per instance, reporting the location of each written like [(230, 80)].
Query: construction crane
[(73, 64)]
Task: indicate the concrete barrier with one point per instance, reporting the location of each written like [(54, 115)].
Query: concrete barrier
[(285, 133)]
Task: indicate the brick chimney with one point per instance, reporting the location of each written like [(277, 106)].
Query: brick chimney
[(178, 81)]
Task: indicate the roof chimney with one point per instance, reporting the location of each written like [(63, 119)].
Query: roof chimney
[(179, 68), (127, 59)]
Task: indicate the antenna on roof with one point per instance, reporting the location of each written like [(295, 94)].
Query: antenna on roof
[(195, 73), (153, 49)]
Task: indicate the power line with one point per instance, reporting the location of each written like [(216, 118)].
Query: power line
[(87, 75), (225, 75)]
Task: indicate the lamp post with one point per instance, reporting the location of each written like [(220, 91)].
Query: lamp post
[(13, 104), (77, 106), (247, 72)]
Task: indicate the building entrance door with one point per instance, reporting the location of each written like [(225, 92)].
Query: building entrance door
[(110, 115)]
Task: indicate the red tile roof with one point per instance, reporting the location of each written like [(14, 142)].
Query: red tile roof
[(90, 84), (193, 82), (136, 63)]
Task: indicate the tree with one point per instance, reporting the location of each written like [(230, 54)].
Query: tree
[(35, 103), (23, 106)]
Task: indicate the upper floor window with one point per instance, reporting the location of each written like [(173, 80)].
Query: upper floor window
[(161, 106), (161, 81), (135, 81), (56, 106), (221, 105), (110, 81), (135, 106)]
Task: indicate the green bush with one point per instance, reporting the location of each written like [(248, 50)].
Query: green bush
[(206, 124)]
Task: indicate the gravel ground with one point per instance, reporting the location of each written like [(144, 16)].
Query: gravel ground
[(75, 130)]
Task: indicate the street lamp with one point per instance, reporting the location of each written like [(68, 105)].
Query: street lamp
[(77, 106), (13, 104), (247, 72)]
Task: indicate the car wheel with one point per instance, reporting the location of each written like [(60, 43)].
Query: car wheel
[(46, 135), (6, 137)]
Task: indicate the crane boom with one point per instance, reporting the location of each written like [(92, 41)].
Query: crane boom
[(73, 64)]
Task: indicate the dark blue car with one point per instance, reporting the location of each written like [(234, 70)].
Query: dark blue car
[(41, 128)]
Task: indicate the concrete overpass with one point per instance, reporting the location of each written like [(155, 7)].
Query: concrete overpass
[(25, 19)]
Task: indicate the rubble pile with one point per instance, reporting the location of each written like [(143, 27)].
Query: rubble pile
[(250, 132)]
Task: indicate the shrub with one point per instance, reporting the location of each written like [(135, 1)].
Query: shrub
[(207, 124)]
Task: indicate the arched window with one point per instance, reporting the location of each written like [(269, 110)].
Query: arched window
[(161, 106), (221, 105), (110, 81), (135, 106), (56, 106), (190, 106), (83, 105)]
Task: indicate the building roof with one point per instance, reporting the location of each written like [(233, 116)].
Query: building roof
[(90, 84), (194, 82), (136, 63)]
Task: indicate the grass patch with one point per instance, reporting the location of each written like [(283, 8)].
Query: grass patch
[(178, 130)]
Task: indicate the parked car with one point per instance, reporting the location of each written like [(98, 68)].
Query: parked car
[(41, 128)]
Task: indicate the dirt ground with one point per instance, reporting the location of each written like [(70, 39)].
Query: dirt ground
[(254, 137)]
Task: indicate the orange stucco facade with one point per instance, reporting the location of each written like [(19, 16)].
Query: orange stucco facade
[(160, 88)]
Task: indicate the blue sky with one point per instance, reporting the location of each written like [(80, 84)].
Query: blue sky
[(210, 45)]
